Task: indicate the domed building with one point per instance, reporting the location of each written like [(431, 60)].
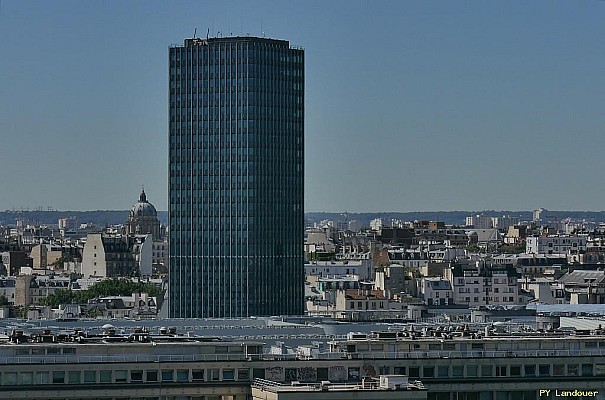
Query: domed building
[(143, 218)]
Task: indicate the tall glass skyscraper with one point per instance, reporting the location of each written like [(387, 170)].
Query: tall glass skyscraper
[(236, 136)]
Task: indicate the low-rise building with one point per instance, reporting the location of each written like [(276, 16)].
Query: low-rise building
[(385, 387), (117, 255), (480, 361), (362, 268), (484, 284), (545, 290), (436, 291), (584, 286), (559, 244)]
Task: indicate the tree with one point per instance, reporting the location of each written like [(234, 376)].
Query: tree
[(60, 296), (107, 287)]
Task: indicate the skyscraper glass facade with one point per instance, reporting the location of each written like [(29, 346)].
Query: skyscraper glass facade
[(236, 144)]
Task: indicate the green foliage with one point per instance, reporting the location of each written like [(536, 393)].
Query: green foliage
[(60, 296), (473, 248), (108, 287), (3, 300)]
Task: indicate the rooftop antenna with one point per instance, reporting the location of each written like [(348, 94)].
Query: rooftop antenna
[(194, 33), (207, 33), (261, 28)]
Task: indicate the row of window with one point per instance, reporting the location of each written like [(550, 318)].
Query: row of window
[(122, 376), (476, 299), (223, 98), (243, 92), (490, 371), (245, 374), (368, 305), (500, 345), (214, 53), (243, 113), (292, 114)]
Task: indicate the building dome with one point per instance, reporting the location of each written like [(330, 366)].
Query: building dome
[(143, 218), (143, 208)]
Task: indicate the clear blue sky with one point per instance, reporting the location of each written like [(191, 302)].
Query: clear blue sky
[(410, 105)]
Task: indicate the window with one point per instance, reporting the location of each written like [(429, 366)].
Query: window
[(587, 370), (90, 376), (182, 375), (9, 378), (152, 376), (136, 376), (73, 376), (121, 375), (486, 370), (58, 376), (42, 377), (197, 374), (457, 371), (105, 376), (515, 370), (501, 370), (558, 370), (544, 369), (214, 374), (428, 372), (258, 373), (414, 372), (572, 370), (26, 378), (167, 375), (228, 374), (530, 370), (243, 374), (443, 371)]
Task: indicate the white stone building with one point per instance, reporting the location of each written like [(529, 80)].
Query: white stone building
[(436, 291), (559, 244)]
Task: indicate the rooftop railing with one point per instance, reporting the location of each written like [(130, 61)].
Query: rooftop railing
[(465, 354), (400, 355)]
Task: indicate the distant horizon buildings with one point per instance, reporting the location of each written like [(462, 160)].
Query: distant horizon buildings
[(236, 176)]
